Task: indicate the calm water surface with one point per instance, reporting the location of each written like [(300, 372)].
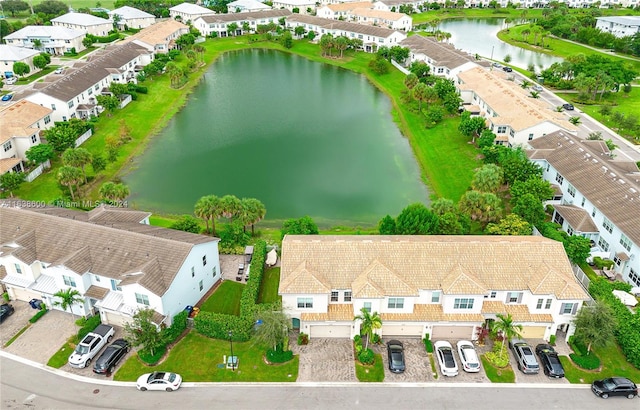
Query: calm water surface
[(303, 137), (479, 36)]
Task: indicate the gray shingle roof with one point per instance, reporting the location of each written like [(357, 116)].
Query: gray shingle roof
[(443, 54), (251, 15), (342, 25), (110, 251), (80, 19), (610, 186)]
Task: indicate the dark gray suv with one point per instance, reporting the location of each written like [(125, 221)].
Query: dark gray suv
[(525, 357)]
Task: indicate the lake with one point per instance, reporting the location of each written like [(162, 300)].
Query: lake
[(304, 138), (480, 36)]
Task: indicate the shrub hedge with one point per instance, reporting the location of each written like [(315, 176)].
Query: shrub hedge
[(366, 356), (279, 356), (38, 315), (587, 362), (218, 326), (628, 323), (427, 343)]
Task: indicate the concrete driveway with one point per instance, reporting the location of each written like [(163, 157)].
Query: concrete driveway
[(43, 338), (326, 360), (418, 367)]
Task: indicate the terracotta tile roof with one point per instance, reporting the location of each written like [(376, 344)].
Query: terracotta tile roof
[(431, 313), (510, 102), (335, 312), (7, 164), (377, 279), (519, 313), (350, 6), (325, 262), (18, 119), (3, 272), (251, 15), (579, 219), (107, 251), (606, 183), (461, 281), (342, 25), (96, 292), (158, 33), (381, 14)]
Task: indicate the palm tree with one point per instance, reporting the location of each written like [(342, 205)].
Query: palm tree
[(77, 157), (525, 84), (370, 322), (208, 209), (120, 192), (107, 190), (174, 72), (420, 93), (507, 327), (410, 81), (230, 206), (254, 212), (68, 298), (69, 176)]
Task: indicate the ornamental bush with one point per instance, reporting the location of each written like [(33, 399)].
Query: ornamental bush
[(587, 362), (279, 356), (497, 358), (366, 356), (303, 339), (427, 343), (38, 315)]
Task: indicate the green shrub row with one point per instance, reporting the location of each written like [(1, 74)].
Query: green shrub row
[(427, 343), (587, 362), (38, 315), (279, 356), (178, 326), (218, 325), (628, 323), (87, 325), (578, 346), (106, 39)]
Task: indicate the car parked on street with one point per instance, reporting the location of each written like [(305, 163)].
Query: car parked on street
[(468, 356), (507, 69), (614, 386), (446, 360), (549, 361), (159, 381), (7, 97), (537, 88), (395, 353), (525, 358), (106, 363), (568, 107), (6, 310), (58, 70)]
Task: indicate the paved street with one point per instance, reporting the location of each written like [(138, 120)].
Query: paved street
[(29, 387)]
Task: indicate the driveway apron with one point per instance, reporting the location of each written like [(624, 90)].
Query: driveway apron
[(326, 360)]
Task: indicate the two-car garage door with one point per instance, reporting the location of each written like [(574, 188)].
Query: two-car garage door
[(330, 330), (452, 332)]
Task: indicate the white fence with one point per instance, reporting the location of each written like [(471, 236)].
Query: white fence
[(38, 171), (399, 67), (83, 137)]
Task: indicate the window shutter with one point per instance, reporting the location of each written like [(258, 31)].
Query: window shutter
[(508, 297), (575, 309), (562, 308), (519, 297)]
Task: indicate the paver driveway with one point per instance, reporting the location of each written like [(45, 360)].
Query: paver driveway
[(532, 378), (326, 360), (20, 318), (418, 367)]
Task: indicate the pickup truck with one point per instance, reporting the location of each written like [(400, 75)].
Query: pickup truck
[(90, 345)]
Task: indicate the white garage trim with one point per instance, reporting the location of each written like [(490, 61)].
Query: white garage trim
[(402, 329), (23, 294), (451, 332), (533, 332), (330, 330)]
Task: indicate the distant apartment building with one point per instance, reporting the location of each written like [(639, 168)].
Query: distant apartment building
[(300, 6), (186, 12), (619, 26), (54, 40), (244, 6), (219, 23), (9, 55), (160, 37), (130, 17), (599, 197), (84, 22)]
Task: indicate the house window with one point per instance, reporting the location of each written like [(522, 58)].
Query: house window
[(568, 308), (570, 231), (193, 272), (571, 190), (548, 304), (559, 178), (71, 103), (539, 304), (626, 242), (604, 245), (214, 271), (502, 129), (47, 119), (435, 296), (367, 306), (53, 107), (634, 277), (204, 260), (463, 303), (97, 278), (493, 294), (514, 297), (201, 285), (18, 269), (530, 137), (114, 285), (68, 280), (7, 146), (334, 295), (617, 260), (34, 139), (593, 213), (305, 303), (347, 296), (142, 299), (395, 303), (583, 200), (606, 224)]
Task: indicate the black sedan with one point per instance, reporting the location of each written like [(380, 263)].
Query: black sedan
[(549, 360), (110, 357), (614, 386), (568, 107), (507, 69), (395, 352), (6, 310)]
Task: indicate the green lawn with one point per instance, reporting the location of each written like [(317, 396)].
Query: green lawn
[(197, 357), (61, 357), (614, 363), (497, 375), (374, 373), (269, 286), (162, 221), (226, 299)]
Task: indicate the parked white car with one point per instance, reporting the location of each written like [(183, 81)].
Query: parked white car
[(468, 356), (446, 358), (159, 381)]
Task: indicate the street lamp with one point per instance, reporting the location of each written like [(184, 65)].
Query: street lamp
[(233, 363)]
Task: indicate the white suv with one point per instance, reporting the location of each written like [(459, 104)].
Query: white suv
[(10, 80)]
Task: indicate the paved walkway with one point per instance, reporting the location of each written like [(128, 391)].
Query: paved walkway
[(326, 360)]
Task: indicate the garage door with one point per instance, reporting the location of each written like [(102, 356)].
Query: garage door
[(533, 332), (115, 319), (337, 330), (389, 330), (25, 295), (452, 332)]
